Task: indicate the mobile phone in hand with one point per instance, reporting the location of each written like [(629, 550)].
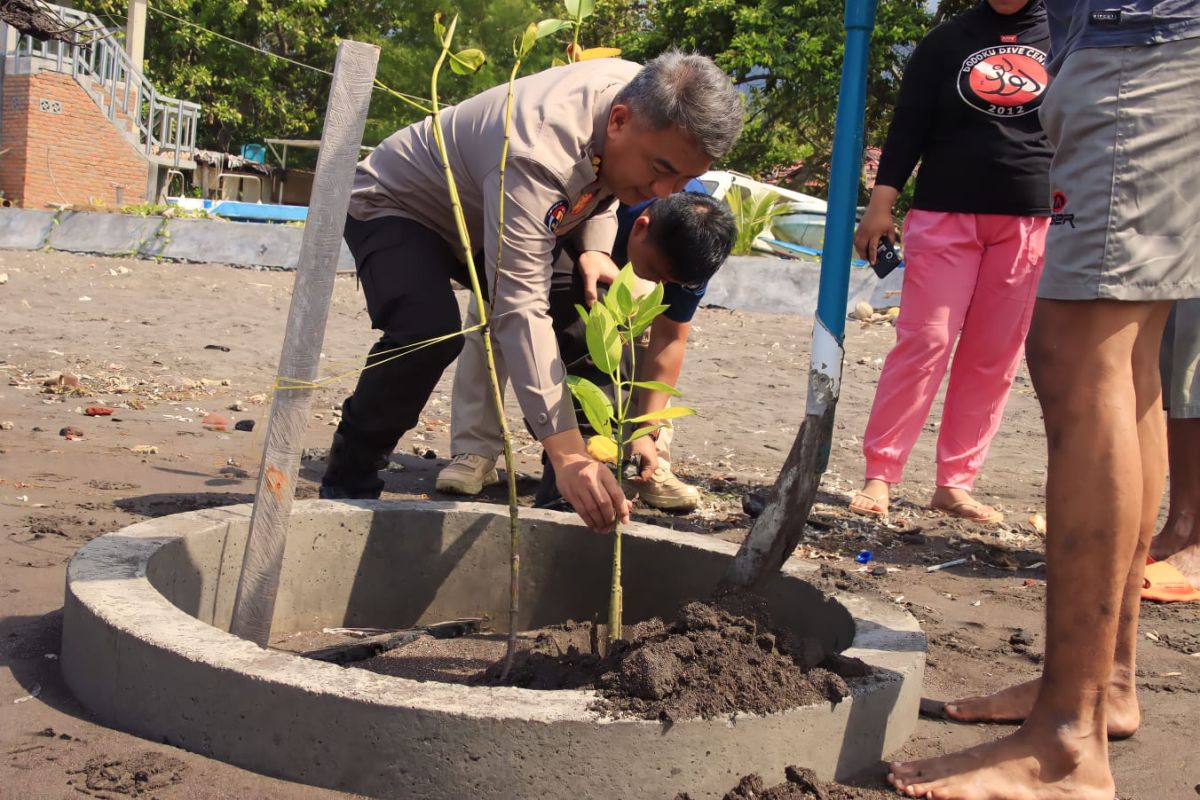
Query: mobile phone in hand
[(887, 258)]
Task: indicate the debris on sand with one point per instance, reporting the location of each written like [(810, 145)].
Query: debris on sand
[(801, 784), (143, 773)]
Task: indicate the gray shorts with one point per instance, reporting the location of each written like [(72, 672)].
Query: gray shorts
[(1125, 177), (1179, 361)]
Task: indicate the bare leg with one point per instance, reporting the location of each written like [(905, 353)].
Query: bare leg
[(1091, 363), (1179, 540), (1014, 703)]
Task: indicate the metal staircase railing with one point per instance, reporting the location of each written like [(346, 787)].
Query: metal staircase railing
[(163, 128)]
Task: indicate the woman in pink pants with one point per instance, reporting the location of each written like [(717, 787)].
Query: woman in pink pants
[(973, 244)]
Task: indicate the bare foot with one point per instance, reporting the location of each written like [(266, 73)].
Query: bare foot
[(873, 500), (1187, 561), (959, 503), (1044, 764), (1013, 705), (1179, 532)]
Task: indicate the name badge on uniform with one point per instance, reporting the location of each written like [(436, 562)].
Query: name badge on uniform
[(555, 214), (1110, 16)]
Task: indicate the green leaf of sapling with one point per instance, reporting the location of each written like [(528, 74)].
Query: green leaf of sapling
[(594, 402), (671, 412), (549, 27), (604, 344), (657, 386), (467, 62), (527, 40), (640, 432), (645, 319)]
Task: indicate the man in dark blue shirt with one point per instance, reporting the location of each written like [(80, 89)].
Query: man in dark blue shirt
[(682, 301), (650, 235)]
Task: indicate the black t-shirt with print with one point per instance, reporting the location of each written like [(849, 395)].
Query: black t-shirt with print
[(968, 112)]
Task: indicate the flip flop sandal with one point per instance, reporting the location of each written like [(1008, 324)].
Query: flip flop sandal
[(877, 509), (1164, 583), (960, 510)]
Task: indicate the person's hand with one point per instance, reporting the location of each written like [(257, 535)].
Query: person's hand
[(592, 491), (647, 449), (595, 268), (877, 222)]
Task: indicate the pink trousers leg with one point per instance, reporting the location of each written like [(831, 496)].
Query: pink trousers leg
[(942, 255), (991, 345)]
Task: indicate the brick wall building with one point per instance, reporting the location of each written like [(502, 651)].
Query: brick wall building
[(60, 148)]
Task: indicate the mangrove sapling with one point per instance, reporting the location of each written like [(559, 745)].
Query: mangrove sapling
[(612, 325), (521, 49), (466, 62)]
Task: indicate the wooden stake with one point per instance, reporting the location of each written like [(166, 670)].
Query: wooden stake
[(345, 119)]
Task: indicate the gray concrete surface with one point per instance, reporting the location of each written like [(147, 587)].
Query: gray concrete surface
[(747, 283), (790, 286), (106, 234), (144, 650), (22, 229), (240, 243), (210, 241)]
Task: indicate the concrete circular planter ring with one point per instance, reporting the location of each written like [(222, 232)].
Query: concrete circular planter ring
[(146, 649)]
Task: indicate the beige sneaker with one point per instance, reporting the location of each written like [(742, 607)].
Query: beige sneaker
[(467, 474), (666, 492)]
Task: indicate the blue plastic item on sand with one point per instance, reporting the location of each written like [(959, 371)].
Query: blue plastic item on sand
[(864, 556)]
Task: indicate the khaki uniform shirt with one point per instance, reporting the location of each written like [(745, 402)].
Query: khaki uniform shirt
[(551, 191)]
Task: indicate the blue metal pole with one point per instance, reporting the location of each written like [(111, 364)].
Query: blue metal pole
[(777, 531), (830, 327)]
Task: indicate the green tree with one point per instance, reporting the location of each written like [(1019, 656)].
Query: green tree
[(786, 56), (248, 96)]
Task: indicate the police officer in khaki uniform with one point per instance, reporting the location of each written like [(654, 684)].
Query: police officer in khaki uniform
[(582, 137), (694, 232)]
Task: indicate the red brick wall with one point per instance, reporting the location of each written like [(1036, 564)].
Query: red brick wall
[(75, 156)]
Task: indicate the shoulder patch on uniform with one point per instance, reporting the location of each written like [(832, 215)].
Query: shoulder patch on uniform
[(554, 216), (582, 202)]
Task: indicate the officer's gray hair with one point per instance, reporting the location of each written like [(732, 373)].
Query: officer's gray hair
[(688, 90)]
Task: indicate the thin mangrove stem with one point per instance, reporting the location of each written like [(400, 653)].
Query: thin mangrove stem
[(512, 77), (484, 320), (615, 600), (514, 522)]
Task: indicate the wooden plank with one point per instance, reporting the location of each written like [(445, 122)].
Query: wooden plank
[(345, 119)]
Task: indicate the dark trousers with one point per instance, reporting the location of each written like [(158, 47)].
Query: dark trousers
[(406, 272)]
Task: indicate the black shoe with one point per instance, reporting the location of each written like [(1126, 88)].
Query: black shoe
[(352, 471), (338, 493)]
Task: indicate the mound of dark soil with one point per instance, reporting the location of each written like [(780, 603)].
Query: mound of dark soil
[(801, 784), (713, 659)]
